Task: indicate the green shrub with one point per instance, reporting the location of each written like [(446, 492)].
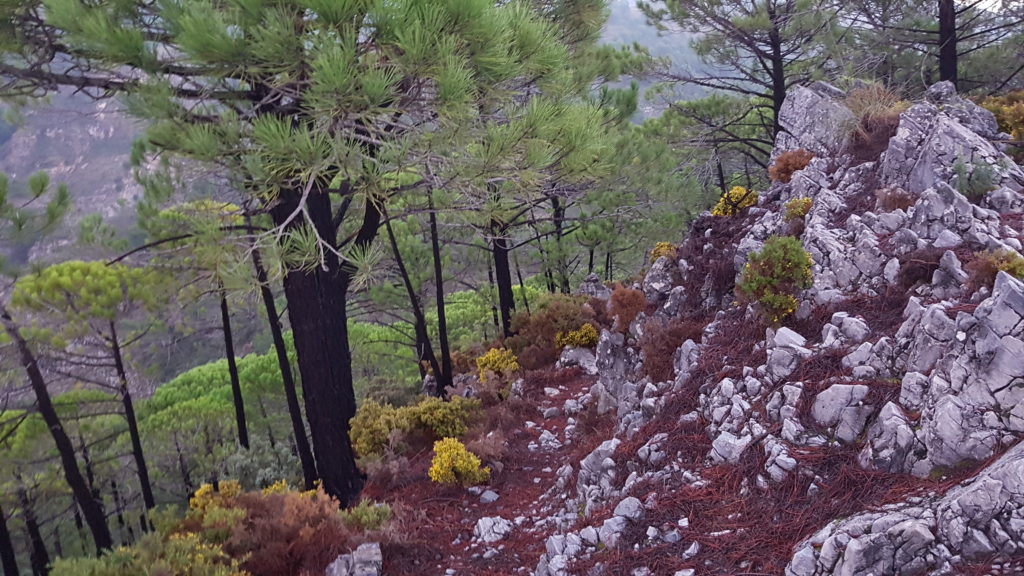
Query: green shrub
[(773, 276), (366, 516), (797, 208), (453, 464), (983, 269), (974, 180), (154, 554), (1009, 113), (374, 426), (734, 201)]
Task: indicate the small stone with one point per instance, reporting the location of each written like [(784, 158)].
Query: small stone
[(691, 551), (488, 497), (630, 508)]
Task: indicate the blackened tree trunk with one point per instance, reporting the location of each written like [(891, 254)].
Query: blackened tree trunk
[(522, 284), (317, 300), (91, 506), (236, 385), (558, 217), (503, 277), (133, 423), (444, 377), (778, 70), (38, 557), (947, 41), (425, 350), (8, 559), (309, 474), (494, 307)]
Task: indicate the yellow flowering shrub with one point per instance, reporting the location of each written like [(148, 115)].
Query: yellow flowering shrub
[(663, 249), (501, 361), (206, 497), (453, 464), (279, 487), (183, 554), (373, 425), (734, 201), (1009, 112), (585, 337), (773, 276), (797, 208)]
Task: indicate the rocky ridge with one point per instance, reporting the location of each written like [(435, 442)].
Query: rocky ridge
[(918, 387)]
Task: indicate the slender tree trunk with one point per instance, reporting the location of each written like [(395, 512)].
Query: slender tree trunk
[(444, 377), (58, 546), (503, 278), (317, 300), (947, 42), (119, 508), (8, 559), (39, 558), (608, 266), (186, 476), (133, 422), (270, 429), (91, 506), (522, 285), (305, 453), (778, 70), (720, 172), (494, 307), (558, 216), (590, 260), (426, 350), (236, 385)]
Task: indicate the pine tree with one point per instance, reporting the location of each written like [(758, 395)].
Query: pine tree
[(288, 98)]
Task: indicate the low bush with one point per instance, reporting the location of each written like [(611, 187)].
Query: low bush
[(663, 249), (499, 361), (797, 208), (625, 305), (789, 163), (155, 554), (917, 267), (534, 340), (982, 270), (877, 109), (377, 428), (734, 201), (586, 337), (773, 277), (975, 180), (1009, 112), (366, 516), (894, 198), (453, 464)]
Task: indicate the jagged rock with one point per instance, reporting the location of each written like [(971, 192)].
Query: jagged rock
[(595, 481), (612, 529), (366, 560), (673, 305), (491, 529), (970, 523), (488, 497), (890, 441), (581, 357), (630, 508), (729, 448), (813, 119), (840, 406), (594, 288), (659, 280)]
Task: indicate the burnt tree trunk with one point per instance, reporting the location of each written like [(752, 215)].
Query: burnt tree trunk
[(425, 351), (778, 71), (309, 474), (133, 423), (236, 385), (38, 557), (444, 377), (8, 559), (317, 300), (947, 41), (91, 506), (503, 277)]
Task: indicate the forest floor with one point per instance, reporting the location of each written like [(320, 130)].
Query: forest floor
[(437, 536)]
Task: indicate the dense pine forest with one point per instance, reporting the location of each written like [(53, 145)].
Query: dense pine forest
[(350, 239)]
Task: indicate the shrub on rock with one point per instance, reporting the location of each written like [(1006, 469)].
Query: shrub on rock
[(789, 163), (734, 201), (983, 269), (773, 277)]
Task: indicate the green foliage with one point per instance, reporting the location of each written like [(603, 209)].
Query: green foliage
[(156, 555), (366, 516), (734, 201), (773, 276), (373, 429), (453, 464), (585, 337), (498, 361), (985, 266), (974, 180), (1009, 113), (797, 208)]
